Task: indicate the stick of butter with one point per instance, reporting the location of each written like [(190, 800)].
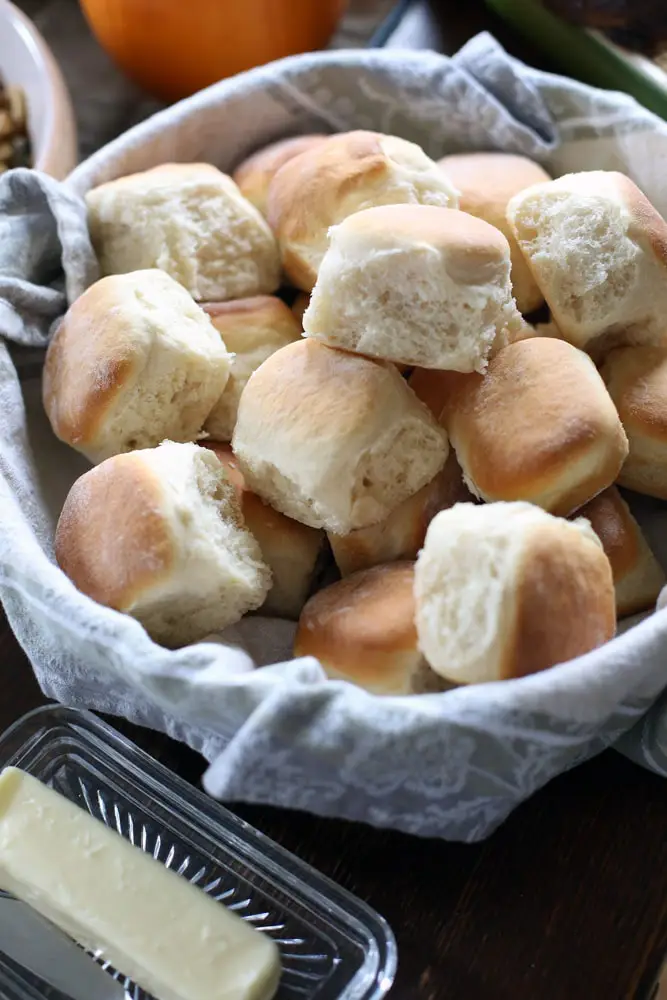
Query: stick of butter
[(148, 922)]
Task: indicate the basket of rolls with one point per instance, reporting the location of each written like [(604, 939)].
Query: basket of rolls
[(335, 431)]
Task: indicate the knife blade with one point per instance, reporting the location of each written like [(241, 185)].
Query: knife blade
[(44, 950)]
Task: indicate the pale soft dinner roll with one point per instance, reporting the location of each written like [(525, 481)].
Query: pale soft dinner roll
[(402, 534), (636, 378), (598, 250), (189, 220), (251, 329), (362, 630), (486, 182), (159, 534), (254, 175), (335, 440), (134, 361), (414, 284), (504, 590), (345, 174), (638, 577), (539, 426), (291, 550)]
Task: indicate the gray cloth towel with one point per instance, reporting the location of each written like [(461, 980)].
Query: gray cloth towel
[(449, 765)]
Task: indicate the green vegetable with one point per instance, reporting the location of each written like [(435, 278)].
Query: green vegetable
[(582, 54)]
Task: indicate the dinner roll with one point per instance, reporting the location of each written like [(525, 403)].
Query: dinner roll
[(505, 589), (159, 534), (636, 378), (133, 362), (539, 426), (362, 630), (335, 440), (598, 250), (252, 329), (291, 550), (486, 182), (401, 535), (342, 175), (189, 220), (254, 175), (414, 284), (638, 577)]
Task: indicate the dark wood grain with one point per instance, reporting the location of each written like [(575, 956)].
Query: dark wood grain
[(568, 901)]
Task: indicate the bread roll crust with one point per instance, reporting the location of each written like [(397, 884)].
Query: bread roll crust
[(332, 439), (114, 574), (362, 629), (637, 382), (638, 577), (252, 329), (505, 590), (539, 426), (402, 534), (255, 173), (486, 182), (134, 361), (159, 535), (559, 579), (291, 550), (344, 174)]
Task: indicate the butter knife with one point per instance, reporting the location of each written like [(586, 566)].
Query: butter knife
[(45, 951)]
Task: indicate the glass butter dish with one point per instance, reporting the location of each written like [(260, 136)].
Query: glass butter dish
[(332, 945)]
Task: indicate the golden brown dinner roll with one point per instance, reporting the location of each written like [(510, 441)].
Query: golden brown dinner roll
[(342, 175), (598, 250), (254, 175), (189, 220), (401, 535), (362, 630), (636, 378), (335, 440), (503, 590), (414, 284), (252, 329), (486, 182), (159, 534), (638, 577), (539, 426), (291, 550), (133, 362), (299, 307)]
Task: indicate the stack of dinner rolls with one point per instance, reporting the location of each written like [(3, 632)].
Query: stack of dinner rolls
[(420, 382)]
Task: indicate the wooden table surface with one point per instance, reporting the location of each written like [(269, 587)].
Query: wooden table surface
[(568, 901)]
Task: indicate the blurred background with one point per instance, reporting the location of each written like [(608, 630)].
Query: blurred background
[(148, 52)]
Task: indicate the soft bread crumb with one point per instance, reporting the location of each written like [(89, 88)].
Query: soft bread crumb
[(189, 220), (598, 250), (415, 285)]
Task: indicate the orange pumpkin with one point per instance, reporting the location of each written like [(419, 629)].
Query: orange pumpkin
[(174, 47)]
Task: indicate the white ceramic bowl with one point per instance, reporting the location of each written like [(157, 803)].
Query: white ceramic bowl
[(26, 60)]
